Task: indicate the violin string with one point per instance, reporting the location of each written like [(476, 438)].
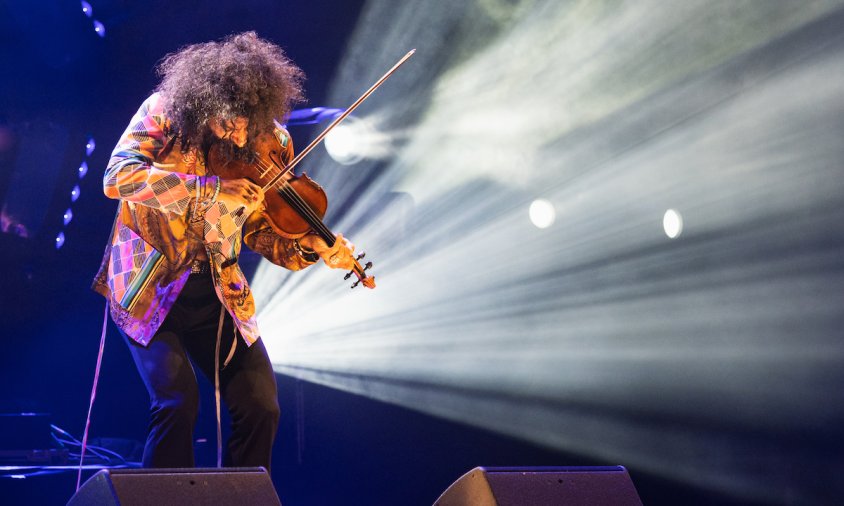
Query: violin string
[(294, 199), (303, 208)]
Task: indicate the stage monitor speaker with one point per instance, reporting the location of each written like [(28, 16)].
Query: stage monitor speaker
[(542, 486), (235, 486)]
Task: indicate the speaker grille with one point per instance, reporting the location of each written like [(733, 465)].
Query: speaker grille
[(542, 486), (182, 487)]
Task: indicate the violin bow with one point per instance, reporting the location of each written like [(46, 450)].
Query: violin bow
[(337, 120)]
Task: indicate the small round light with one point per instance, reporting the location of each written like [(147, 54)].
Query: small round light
[(99, 28), (83, 169), (74, 193), (672, 223), (86, 9), (542, 213), (60, 240), (68, 215), (90, 146)]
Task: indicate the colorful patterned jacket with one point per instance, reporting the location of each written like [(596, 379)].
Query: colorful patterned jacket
[(160, 228)]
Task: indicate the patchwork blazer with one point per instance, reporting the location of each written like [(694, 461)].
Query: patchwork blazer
[(161, 227)]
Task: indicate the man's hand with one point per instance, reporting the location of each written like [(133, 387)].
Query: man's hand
[(241, 193), (339, 256)]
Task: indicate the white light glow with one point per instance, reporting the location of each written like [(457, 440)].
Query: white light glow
[(672, 223), (358, 139), (340, 144), (542, 213)]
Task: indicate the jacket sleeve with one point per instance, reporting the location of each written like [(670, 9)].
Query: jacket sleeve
[(131, 174), (261, 238)]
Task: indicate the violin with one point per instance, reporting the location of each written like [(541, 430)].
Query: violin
[(293, 205)]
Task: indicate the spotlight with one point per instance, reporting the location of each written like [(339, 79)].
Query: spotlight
[(74, 193), (86, 8), (68, 215), (343, 143), (83, 169), (60, 240), (542, 213), (672, 223), (89, 146), (99, 28)]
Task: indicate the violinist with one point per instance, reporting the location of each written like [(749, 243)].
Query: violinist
[(170, 271)]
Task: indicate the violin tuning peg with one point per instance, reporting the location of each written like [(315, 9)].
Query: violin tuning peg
[(355, 283), (362, 254), (367, 266), (348, 275)]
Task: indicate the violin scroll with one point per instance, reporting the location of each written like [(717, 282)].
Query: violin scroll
[(360, 272)]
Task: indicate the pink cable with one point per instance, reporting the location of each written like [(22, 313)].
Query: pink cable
[(93, 395), (217, 387)]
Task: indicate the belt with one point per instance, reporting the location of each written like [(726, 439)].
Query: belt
[(200, 267)]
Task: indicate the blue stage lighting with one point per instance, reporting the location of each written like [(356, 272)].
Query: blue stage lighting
[(60, 240), (90, 145), (68, 215), (312, 116), (99, 28), (83, 169), (86, 8), (74, 193)]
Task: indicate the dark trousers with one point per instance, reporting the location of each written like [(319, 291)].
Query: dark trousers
[(247, 384)]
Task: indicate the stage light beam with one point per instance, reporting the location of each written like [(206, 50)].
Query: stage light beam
[(703, 359)]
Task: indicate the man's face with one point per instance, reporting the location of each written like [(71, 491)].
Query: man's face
[(236, 130)]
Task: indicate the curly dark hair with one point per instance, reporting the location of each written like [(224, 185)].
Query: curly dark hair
[(241, 75)]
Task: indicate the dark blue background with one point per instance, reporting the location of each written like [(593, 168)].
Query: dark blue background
[(333, 447)]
